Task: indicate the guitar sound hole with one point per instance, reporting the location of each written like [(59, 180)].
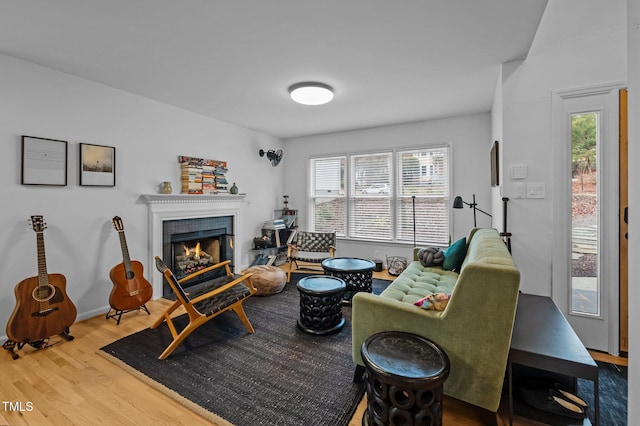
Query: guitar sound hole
[(43, 293), (130, 275)]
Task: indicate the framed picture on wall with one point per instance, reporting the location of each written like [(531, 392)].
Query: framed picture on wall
[(495, 170), (44, 161), (97, 165)]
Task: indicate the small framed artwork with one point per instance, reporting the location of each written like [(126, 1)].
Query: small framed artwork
[(44, 161), (495, 169), (97, 165)]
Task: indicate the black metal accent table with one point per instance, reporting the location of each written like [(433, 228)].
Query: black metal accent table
[(405, 375), (321, 304), (356, 273), (543, 339)]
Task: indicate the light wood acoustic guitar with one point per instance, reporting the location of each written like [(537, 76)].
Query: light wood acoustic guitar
[(130, 289), (43, 308)]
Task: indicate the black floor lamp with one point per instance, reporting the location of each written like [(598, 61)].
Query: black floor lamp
[(458, 203)]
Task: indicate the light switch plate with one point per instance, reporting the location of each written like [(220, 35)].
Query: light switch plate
[(535, 190), (518, 171), (520, 190)]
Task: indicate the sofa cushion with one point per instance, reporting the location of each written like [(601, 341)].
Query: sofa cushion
[(419, 281), (454, 255)]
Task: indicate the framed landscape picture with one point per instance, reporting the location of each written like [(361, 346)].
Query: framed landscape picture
[(97, 165)]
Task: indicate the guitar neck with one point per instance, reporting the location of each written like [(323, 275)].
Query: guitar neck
[(43, 276), (126, 259)]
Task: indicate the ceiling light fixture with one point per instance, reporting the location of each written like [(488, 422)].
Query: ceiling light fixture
[(311, 93)]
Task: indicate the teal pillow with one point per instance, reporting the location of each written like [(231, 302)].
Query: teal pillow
[(454, 255)]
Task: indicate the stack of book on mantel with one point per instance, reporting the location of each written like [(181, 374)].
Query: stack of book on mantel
[(202, 176), (191, 179)]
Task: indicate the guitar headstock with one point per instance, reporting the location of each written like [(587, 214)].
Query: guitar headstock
[(117, 223), (37, 223)]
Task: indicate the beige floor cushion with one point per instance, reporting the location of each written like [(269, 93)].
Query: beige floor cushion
[(267, 279)]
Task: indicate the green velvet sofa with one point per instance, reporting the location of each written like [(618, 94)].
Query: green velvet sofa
[(475, 327)]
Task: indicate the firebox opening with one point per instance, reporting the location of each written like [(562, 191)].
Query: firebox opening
[(193, 251)]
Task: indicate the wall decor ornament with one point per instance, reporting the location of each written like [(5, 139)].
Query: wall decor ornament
[(495, 164), (44, 161), (165, 188), (97, 165)]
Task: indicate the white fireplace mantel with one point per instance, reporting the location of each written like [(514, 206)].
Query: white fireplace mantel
[(186, 206), (193, 199)]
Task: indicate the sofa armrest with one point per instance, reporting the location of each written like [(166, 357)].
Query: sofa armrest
[(474, 329), (373, 314)]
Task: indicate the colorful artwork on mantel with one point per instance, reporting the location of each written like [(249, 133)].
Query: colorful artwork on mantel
[(202, 176)]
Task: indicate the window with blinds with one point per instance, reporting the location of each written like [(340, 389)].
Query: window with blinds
[(328, 195), (370, 200), (423, 180), (385, 191)]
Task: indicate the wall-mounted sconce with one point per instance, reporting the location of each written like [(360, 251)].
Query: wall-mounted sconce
[(272, 155)]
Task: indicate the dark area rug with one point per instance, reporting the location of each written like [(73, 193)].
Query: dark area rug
[(277, 376), (613, 394)]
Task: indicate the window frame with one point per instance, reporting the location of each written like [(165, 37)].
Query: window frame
[(394, 196)]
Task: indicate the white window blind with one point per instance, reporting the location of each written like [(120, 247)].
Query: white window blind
[(328, 197), (371, 192), (423, 174), (383, 189)]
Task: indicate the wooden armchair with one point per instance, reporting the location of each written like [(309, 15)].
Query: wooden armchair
[(310, 248), (204, 301)]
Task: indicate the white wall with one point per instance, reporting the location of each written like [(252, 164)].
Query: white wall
[(579, 44), (470, 137), (80, 241), (496, 135)]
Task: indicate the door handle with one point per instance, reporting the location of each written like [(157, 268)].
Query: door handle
[(626, 220)]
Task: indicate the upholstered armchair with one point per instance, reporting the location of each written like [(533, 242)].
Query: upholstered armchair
[(309, 249)]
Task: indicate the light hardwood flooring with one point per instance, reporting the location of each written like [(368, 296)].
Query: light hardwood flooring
[(68, 383)]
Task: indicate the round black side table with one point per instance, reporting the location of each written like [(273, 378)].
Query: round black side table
[(321, 304), (356, 273), (405, 375)]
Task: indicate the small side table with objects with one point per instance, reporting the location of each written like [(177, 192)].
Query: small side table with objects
[(356, 273), (405, 377), (321, 304)]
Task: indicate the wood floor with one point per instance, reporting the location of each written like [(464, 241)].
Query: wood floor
[(68, 383)]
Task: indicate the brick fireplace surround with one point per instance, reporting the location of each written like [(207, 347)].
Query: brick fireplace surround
[(182, 206)]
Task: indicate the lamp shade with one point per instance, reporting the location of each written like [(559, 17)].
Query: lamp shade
[(311, 93), (458, 203)]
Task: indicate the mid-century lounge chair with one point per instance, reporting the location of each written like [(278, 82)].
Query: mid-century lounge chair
[(310, 248), (205, 301)]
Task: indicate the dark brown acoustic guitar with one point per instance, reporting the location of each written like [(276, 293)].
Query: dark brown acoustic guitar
[(130, 290), (43, 308)]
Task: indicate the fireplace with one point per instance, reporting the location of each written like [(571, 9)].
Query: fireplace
[(190, 245), (178, 220)]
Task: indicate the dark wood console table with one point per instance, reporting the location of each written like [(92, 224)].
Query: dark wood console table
[(543, 339)]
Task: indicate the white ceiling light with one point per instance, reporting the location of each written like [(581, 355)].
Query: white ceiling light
[(311, 93)]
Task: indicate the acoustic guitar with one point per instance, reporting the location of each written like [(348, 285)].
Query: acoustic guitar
[(130, 288), (43, 308)]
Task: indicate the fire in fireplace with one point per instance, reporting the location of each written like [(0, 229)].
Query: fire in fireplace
[(195, 258), (197, 249)]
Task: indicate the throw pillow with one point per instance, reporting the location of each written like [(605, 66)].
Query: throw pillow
[(454, 255), (431, 256), (434, 302)]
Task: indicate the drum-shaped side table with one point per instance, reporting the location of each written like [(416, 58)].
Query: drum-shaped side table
[(405, 375), (321, 304), (356, 273)]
